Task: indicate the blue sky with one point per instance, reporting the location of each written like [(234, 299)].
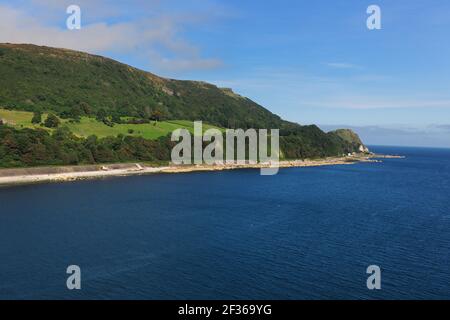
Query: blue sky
[(308, 61)]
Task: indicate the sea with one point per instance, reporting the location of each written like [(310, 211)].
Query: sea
[(306, 233)]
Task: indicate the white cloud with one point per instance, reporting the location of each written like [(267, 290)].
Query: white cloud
[(188, 64), (158, 38), (373, 102)]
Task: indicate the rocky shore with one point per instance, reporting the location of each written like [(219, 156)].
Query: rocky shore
[(72, 173)]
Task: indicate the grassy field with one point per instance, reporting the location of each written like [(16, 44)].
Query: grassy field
[(17, 119), (90, 126)]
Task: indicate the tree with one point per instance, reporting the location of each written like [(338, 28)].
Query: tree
[(52, 121), (62, 134), (101, 115), (108, 122), (86, 108), (76, 112), (37, 117), (116, 119), (156, 115)]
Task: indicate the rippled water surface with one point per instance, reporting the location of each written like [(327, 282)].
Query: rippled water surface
[(307, 233)]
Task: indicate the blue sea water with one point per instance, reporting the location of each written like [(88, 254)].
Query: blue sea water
[(307, 233)]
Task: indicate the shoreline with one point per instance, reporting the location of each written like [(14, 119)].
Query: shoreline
[(24, 176)]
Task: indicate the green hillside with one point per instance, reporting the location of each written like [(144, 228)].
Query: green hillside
[(96, 97), (72, 83)]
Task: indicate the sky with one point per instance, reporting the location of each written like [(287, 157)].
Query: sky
[(308, 61)]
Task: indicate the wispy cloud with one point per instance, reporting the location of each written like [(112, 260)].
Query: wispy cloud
[(442, 127), (400, 135), (342, 65), (295, 89), (374, 102), (159, 38)]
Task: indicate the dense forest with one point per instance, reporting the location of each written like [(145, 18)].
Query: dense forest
[(27, 147), (39, 147)]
